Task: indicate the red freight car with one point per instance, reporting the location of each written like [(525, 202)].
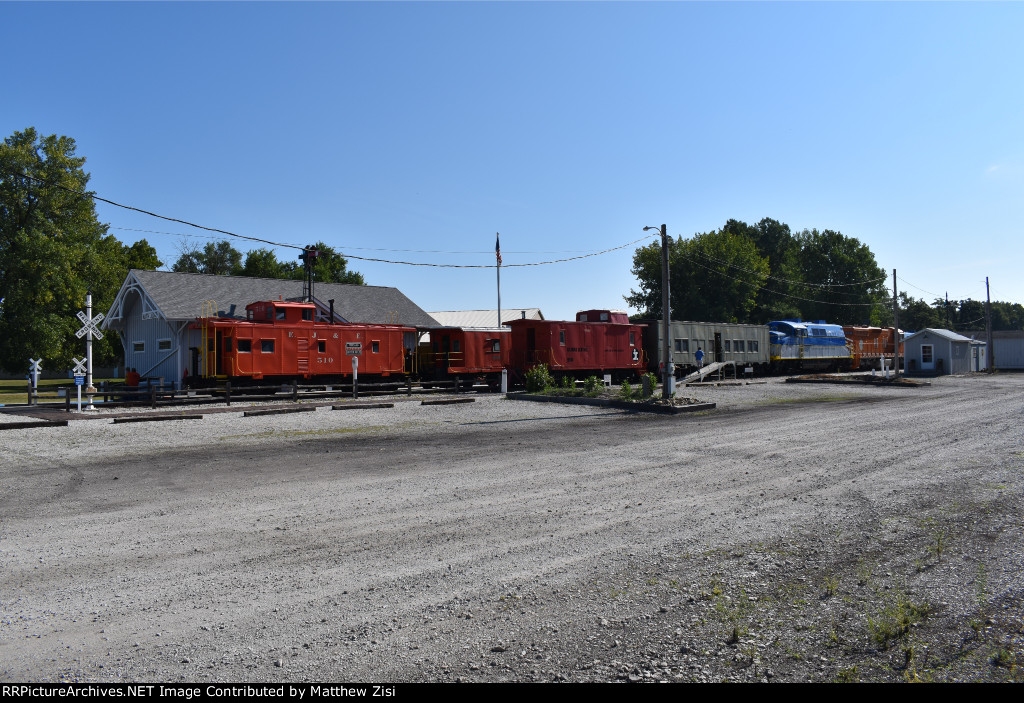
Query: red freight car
[(281, 340), (471, 354), (597, 342), (869, 345)]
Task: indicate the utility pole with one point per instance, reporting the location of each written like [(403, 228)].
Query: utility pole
[(896, 326), (668, 375), (990, 362)]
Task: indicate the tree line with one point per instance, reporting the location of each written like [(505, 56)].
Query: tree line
[(53, 249), (757, 273)]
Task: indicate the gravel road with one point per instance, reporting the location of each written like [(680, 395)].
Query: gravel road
[(795, 533)]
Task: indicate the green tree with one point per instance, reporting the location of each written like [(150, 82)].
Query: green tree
[(262, 263), (842, 282), (53, 250), (714, 276), (216, 258), (330, 267)]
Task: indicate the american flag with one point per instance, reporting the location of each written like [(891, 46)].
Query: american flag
[(497, 247)]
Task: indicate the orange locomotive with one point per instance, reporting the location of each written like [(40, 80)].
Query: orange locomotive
[(869, 345)]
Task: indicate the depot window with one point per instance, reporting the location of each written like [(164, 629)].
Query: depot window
[(163, 345), (138, 347), (245, 345), (267, 346)]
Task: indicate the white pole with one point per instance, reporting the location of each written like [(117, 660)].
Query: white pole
[(89, 388)]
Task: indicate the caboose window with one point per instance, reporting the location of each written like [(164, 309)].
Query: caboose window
[(227, 345), (495, 346), (632, 339), (583, 317), (307, 314), (281, 313), (455, 346), (245, 346), (375, 347), (321, 347), (604, 317), (267, 346), (561, 337)]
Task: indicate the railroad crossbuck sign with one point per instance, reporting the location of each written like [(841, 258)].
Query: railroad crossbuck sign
[(79, 366), (90, 325)]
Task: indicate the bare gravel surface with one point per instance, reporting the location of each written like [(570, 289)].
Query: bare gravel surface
[(796, 533)]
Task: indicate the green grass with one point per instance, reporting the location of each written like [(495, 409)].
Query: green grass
[(16, 390)]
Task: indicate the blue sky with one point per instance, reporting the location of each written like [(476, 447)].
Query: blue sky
[(567, 127)]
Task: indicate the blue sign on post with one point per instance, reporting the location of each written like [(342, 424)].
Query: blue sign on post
[(79, 380)]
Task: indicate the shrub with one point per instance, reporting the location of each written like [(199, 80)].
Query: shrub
[(626, 391), (538, 379), (592, 385)]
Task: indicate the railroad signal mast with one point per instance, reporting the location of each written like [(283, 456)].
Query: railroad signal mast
[(309, 258)]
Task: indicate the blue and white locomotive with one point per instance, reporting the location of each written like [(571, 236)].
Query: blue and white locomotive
[(795, 344)]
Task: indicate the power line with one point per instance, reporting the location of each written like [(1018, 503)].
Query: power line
[(793, 281), (83, 194)]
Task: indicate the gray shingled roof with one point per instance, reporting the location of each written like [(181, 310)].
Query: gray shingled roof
[(180, 296)]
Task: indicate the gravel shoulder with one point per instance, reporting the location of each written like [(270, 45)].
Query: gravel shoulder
[(796, 533)]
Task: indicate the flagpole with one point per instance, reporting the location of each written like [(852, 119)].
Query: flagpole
[(497, 254)]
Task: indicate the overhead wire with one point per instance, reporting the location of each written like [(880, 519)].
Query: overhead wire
[(793, 281), (93, 196)]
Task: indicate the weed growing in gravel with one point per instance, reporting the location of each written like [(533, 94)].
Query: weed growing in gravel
[(831, 584), (847, 675), (938, 538), (895, 619)]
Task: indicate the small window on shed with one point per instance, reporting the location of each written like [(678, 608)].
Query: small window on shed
[(375, 347), (163, 345), (245, 346), (267, 346), (138, 347), (561, 337), (321, 346)]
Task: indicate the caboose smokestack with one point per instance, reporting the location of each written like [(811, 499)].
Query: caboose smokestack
[(331, 301)]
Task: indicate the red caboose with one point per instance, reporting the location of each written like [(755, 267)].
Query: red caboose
[(453, 351), (598, 342), (282, 340)]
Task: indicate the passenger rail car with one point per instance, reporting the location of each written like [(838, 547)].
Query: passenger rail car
[(597, 342), (747, 345), (279, 340), (810, 346)]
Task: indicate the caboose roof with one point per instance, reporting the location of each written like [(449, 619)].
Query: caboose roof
[(179, 296)]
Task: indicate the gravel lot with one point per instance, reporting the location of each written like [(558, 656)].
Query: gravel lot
[(795, 533)]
